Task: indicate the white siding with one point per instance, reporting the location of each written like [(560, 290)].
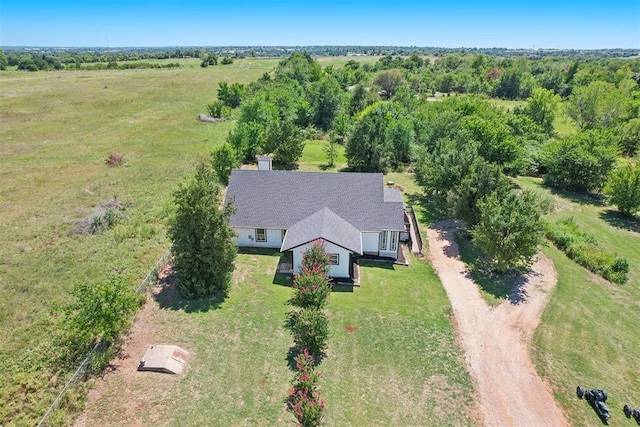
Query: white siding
[(340, 270), (247, 238), (370, 243)]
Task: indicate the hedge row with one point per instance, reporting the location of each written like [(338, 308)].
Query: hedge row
[(583, 248)]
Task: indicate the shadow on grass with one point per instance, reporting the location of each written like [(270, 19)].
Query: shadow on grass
[(168, 297), (427, 210), (618, 220), (295, 352), (580, 198), (508, 285), (326, 167), (260, 251), (342, 288), (282, 279), (376, 263)]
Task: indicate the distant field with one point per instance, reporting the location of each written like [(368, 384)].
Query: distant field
[(56, 129)]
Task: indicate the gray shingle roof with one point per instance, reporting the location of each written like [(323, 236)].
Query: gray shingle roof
[(280, 199), (326, 225), (392, 195)]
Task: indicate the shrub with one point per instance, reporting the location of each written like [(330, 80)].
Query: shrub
[(315, 259), (583, 248), (310, 290), (100, 312), (623, 189), (310, 329), (216, 109), (115, 160), (304, 399)]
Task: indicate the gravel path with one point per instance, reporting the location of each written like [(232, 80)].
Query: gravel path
[(495, 340)]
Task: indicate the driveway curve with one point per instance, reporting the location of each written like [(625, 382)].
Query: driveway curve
[(495, 339)]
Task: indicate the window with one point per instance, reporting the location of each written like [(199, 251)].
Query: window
[(383, 241), (394, 241), (334, 259), (261, 235), (284, 233)]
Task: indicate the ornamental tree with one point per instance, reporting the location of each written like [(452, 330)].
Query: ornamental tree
[(203, 245)]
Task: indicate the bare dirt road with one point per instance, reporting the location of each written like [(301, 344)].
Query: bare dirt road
[(495, 340)]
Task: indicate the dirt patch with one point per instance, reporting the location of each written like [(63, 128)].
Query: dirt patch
[(350, 328), (495, 340), (124, 386)]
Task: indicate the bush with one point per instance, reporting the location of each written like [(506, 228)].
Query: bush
[(315, 259), (583, 248), (310, 329), (100, 313), (310, 290), (623, 189), (304, 398), (216, 109), (115, 160)]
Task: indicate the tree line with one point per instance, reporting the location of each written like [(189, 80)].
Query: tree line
[(462, 147)]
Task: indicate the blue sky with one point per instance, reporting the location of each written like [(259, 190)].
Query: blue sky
[(488, 23)]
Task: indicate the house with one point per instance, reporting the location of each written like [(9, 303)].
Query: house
[(352, 212)]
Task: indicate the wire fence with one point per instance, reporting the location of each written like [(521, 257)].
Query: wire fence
[(81, 371)]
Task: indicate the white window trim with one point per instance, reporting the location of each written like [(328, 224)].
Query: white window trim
[(337, 258), (394, 241), (383, 241), (265, 235)]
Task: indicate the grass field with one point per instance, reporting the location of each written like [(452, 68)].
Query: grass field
[(589, 330), (392, 357), (56, 129)]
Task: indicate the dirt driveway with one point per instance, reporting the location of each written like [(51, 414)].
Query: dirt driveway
[(495, 340)]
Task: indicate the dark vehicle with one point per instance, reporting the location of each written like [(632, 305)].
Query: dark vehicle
[(632, 413), (596, 398)]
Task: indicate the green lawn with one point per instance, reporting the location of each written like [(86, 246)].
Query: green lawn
[(392, 357), (589, 331), (56, 129)]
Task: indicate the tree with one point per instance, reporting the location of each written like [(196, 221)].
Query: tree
[(246, 140), (630, 141), (380, 139), (580, 162), (209, 59), (623, 189), (597, 105), (510, 229), (325, 97), (299, 67), (4, 63), (310, 329), (513, 83), (331, 149), (231, 94), (284, 140), (389, 80), (541, 106), (223, 161), (360, 99), (101, 311), (202, 239)]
